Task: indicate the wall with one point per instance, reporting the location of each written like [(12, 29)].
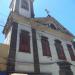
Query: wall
[(45, 59), (24, 57), (24, 12), (8, 38)]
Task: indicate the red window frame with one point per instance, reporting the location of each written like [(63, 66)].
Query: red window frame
[(60, 50), (72, 55), (45, 46), (24, 45)]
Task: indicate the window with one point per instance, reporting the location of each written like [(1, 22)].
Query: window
[(24, 45), (52, 26), (71, 52), (24, 4), (45, 46), (60, 50)]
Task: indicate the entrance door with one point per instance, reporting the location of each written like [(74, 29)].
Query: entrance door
[(65, 68)]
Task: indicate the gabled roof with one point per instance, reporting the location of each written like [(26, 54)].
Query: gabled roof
[(51, 20), (48, 24)]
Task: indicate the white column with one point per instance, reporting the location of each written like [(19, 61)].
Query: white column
[(64, 44), (53, 50), (54, 57)]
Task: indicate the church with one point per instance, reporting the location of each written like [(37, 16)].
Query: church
[(35, 46)]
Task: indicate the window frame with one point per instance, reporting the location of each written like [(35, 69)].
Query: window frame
[(45, 45), (25, 4), (52, 26), (24, 34), (71, 52), (60, 50)]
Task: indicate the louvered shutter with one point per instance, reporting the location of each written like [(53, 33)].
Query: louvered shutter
[(24, 45), (71, 52), (60, 50), (45, 46)]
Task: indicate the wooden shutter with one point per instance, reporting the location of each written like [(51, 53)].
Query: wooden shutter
[(71, 52), (45, 46), (24, 45), (60, 50)]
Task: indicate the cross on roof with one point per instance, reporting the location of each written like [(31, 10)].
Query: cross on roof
[(47, 12)]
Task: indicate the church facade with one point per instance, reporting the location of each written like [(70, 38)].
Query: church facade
[(37, 45)]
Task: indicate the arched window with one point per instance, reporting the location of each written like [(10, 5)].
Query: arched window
[(71, 52), (24, 45), (24, 4), (60, 50), (45, 46), (52, 26)]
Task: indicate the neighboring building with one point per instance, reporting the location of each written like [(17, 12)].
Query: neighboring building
[(37, 45), (4, 50)]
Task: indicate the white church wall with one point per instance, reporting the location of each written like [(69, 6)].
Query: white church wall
[(8, 38), (46, 59), (23, 12), (24, 62), (41, 57), (24, 57), (68, 55), (73, 68), (51, 68), (12, 5)]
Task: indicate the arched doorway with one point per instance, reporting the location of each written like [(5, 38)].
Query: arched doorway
[(65, 68)]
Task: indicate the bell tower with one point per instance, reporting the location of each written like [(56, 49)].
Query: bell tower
[(18, 22), (23, 7)]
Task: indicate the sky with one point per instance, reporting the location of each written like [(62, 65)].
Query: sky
[(62, 10)]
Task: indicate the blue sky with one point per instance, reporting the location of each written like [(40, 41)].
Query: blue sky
[(62, 10)]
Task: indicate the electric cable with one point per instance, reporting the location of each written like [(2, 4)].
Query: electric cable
[(1, 25)]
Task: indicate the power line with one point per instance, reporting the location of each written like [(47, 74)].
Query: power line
[(1, 25)]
